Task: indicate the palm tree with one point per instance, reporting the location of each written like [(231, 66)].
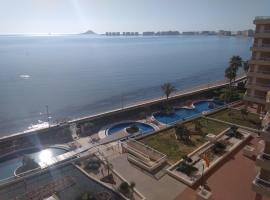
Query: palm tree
[(236, 62), (168, 89), (108, 166), (245, 66), (182, 133), (230, 73)]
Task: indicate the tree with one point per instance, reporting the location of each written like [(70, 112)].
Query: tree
[(198, 126), (182, 133), (131, 187), (230, 73), (244, 113), (108, 166), (236, 62), (245, 66), (168, 89)]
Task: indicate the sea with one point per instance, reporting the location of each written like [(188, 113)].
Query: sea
[(81, 75)]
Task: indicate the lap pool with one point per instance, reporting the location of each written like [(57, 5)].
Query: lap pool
[(9, 164), (183, 113)]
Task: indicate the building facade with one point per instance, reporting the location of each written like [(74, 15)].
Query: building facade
[(258, 81)]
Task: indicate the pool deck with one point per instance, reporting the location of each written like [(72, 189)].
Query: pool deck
[(152, 188)]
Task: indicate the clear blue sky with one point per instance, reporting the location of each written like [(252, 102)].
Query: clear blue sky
[(74, 16)]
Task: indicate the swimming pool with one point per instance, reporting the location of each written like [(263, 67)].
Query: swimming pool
[(143, 128), (183, 113), (9, 164)]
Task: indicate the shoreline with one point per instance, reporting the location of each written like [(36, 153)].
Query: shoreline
[(132, 106)]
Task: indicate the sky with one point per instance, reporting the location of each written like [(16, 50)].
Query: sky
[(76, 16)]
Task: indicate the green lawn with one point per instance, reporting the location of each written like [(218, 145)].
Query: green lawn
[(235, 116), (166, 142), (208, 126)]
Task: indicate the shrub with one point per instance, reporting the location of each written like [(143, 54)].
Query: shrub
[(187, 159), (186, 168), (124, 188), (218, 148)]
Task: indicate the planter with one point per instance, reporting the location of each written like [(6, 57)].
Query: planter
[(204, 194), (248, 151), (211, 137)]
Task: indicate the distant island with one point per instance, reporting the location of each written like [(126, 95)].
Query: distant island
[(89, 32)]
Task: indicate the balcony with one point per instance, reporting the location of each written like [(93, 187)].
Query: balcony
[(265, 134), (260, 61), (262, 20), (262, 48), (262, 34), (261, 186), (263, 161), (258, 86), (259, 74), (254, 98)]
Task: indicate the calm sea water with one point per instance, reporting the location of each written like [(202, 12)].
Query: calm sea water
[(82, 75)]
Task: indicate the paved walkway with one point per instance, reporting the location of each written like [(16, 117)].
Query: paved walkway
[(165, 188), (232, 181)]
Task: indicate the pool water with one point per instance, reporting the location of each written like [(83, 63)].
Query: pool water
[(143, 128), (184, 113), (8, 166)]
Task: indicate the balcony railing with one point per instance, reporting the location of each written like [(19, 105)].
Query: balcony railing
[(262, 58), (260, 72), (262, 17), (262, 45), (263, 31), (265, 156), (256, 96), (263, 183)]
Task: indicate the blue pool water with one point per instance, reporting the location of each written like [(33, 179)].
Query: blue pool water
[(8, 166), (184, 113), (144, 128)]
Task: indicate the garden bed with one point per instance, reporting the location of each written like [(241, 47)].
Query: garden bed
[(166, 142), (194, 164), (234, 116)]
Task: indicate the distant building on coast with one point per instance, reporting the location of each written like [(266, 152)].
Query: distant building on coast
[(246, 33), (112, 33), (190, 33), (130, 33), (167, 33), (224, 33), (148, 33), (208, 33)]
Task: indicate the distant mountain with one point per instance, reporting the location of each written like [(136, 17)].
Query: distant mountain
[(89, 32)]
